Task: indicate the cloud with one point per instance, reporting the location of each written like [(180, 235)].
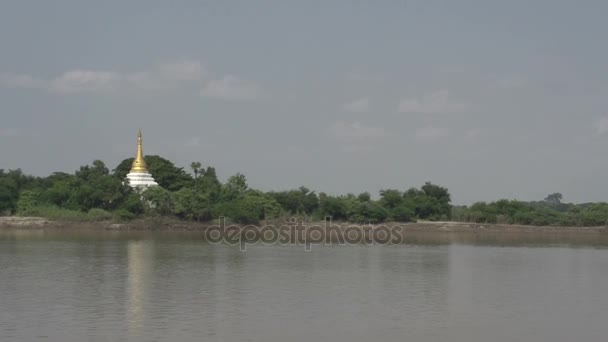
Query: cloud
[(436, 102), (85, 81), (357, 106), (430, 134), (232, 88), (355, 136), (183, 70), (163, 77), (601, 126)]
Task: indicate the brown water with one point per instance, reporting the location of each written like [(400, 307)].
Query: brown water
[(161, 287)]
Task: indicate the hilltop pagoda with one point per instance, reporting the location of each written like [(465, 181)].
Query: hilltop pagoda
[(139, 177)]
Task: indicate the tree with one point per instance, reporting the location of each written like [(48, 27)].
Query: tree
[(251, 208), (196, 167), (300, 201), (209, 183), (335, 207), (364, 197), (191, 205), (234, 187), (8, 195), (403, 213), (554, 198), (441, 194), (158, 200), (439, 205), (390, 198), (28, 200), (368, 212)]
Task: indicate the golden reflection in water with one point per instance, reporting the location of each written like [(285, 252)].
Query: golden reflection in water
[(140, 268)]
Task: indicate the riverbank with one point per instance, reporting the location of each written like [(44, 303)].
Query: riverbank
[(164, 224)]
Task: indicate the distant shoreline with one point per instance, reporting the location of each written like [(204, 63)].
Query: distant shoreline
[(15, 222)]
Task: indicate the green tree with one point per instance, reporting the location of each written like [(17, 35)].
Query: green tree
[(554, 198), (251, 208), (196, 168), (300, 201), (8, 195), (335, 207), (368, 212), (390, 198), (235, 187), (158, 200), (405, 212), (191, 205), (27, 202), (364, 197), (209, 183)]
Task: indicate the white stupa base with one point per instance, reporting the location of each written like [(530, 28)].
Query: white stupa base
[(141, 180)]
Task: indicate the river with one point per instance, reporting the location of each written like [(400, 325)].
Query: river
[(118, 286)]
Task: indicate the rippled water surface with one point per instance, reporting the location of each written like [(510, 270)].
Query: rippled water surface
[(160, 287)]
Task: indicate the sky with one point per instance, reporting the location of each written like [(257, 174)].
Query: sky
[(491, 99)]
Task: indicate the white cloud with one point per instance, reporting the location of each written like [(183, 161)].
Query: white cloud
[(163, 77), (85, 81), (436, 102), (357, 106), (601, 126), (356, 132), (183, 70), (232, 88), (357, 137), (430, 134)]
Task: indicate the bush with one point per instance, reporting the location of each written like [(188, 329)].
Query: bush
[(368, 212), (56, 213), (403, 213), (96, 214), (123, 215)]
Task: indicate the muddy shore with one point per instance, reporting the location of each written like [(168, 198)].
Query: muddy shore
[(175, 225)]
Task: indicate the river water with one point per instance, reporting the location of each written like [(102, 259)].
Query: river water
[(84, 286)]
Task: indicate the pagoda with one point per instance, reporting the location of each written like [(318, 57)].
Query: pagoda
[(139, 177)]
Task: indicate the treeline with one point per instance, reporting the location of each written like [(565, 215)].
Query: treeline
[(94, 193), (551, 211)]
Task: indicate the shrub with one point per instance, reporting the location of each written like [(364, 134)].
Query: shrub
[(123, 215), (403, 213), (96, 214)]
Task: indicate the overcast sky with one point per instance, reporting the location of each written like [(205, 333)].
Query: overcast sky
[(492, 99)]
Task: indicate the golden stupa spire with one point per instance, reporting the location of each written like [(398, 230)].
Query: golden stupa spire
[(139, 164)]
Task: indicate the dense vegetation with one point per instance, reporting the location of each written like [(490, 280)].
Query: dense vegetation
[(550, 211), (94, 193)]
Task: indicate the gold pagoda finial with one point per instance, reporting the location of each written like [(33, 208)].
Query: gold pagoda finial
[(139, 164)]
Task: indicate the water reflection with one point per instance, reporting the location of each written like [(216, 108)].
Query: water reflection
[(141, 257)]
